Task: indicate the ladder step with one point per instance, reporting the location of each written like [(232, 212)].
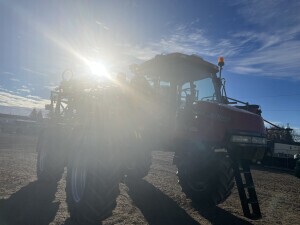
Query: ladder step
[(249, 186), (252, 201)]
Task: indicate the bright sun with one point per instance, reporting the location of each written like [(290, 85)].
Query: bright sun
[(98, 68)]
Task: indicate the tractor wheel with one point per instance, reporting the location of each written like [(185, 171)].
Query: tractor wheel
[(209, 184), (92, 183), (51, 155), (139, 158), (140, 166)]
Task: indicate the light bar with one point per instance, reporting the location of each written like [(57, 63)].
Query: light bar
[(248, 139)]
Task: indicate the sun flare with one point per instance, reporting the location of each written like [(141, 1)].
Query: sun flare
[(98, 68)]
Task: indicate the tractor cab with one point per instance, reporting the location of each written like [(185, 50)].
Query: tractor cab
[(182, 80), (189, 93)]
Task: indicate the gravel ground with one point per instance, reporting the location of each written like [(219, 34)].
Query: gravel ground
[(157, 199)]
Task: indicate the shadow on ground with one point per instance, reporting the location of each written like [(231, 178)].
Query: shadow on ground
[(157, 208), (31, 205), (219, 216)]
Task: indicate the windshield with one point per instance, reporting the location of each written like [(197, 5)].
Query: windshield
[(200, 90)]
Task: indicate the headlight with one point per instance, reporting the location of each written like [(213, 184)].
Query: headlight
[(248, 140), (259, 140), (241, 139)]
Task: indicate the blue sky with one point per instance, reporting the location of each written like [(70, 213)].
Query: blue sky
[(260, 41)]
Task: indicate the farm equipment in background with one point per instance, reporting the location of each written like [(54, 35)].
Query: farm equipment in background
[(104, 131), (283, 151)]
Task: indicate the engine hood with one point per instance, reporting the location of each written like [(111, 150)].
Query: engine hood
[(214, 122), (243, 120)]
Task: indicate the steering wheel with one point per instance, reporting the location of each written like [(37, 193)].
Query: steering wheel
[(208, 97)]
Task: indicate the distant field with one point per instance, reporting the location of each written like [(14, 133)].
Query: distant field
[(155, 200), (17, 142)]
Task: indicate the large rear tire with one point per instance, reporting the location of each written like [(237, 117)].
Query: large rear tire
[(92, 181), (139, 158), (139, 167), (51, 158), (209, 182)]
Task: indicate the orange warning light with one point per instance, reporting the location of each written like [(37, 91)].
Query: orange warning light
[(221, 61)]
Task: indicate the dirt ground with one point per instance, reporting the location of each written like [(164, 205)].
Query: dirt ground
[(157, 199)]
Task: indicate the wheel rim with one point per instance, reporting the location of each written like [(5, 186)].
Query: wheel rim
[(78, 182)]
